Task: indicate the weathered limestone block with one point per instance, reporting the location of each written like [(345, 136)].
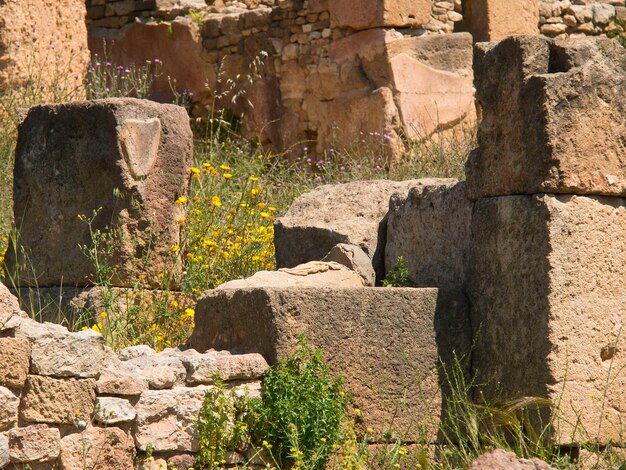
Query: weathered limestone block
[(546, 283), (386, 342), (9, 306), (380, 13), (111, 410), (430, 229), (45, 41), (57, 401), (500, 459), (351, 213), (161, 371), (127, 159), (34, 444), (355, 259), (203, 368), (97, 448), (4, 450), (14, 362), (166, 419), (492, 20), (122, 380), (311, 274), (554, 118), (9, 403)]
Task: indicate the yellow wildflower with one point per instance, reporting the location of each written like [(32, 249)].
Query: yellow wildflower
[(253, 178), (224, 167), (103, 315), (195, 171), (181, 200), (227, 176), (216, 201)]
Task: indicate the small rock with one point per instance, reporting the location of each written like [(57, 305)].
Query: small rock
[(9, 404), (354, 258), (110, 410), (502, 460)]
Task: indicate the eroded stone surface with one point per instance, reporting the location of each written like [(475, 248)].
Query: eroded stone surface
[(110, 410), (14, 361), (57, 401), (502, 460), (141, 207), (9, 403), (380, 13), (493, 20), (554, 118), (97, 448), (355, 259), (386, 342), (34, 444), (546, 285)]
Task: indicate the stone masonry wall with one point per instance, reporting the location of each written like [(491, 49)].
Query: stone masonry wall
[(580, 17), (67, 401)]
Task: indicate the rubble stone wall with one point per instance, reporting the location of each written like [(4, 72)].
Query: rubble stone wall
[(67, 401), (580, 17)]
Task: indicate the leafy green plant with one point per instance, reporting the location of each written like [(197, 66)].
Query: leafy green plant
[(399, 276)]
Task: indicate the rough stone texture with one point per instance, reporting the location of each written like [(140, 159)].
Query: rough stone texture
[(312, 274), (430, 229), (386, 342), (502, 460), (355, 259), (34, 444), (8, 409), (142, 153), (351, 213), (165, 419), (554, 118), (110, 410), (60, 353), (44, 39), (121, 380), (202, 369), (380, 13), (57, 401), (4, 450), (9, 306), (546, 285), (493, 20), (14, 361), (97, 449), (159, 370)]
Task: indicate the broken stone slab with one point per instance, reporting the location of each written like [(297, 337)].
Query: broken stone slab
[(352, 213), (97, 448), (312, 274), (111, 410), (493, 20), (546, 282), (380, 13), (9, 404), (554, 118), (430, 227), (355, 259), (143, 153), (386, 342), (34, 444), (57, 401), (14, 362), (204, 368)]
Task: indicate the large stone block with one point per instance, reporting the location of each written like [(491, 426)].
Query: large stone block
[(34, 444), (430, 229), (57, 401), (97, 448), (351, 213), (492, 20), (380, 13), (45, 42), (386, 342), (554, 118), (547, 285), (127, 159)]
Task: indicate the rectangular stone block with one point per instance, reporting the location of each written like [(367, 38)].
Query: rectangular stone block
[(14, 362), (493, 20), (547, 285), (34, 444), (554, 118), (380, 13), (124, 160), (388, 343)]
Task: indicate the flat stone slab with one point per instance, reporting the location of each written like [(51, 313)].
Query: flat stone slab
[(386, 342), (547, 285), (554, 117)]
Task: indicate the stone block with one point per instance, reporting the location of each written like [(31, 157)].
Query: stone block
[(355, 259), (57, 401), (203, 368), (45, 42), (546, 284), (430, 228), (34, 444), (350, 213), (166, 419), (380, 13), (9, 403), (493, 20), (111, 410), (501, 459), (14, 362), (9, 306), (386, 342), (554, 118), (126, 159), (97, 448), (5, 458)]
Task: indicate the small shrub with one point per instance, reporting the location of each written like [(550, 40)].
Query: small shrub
[(399, 276)]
